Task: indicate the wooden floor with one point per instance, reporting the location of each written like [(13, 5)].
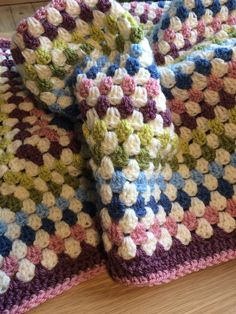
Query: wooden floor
[(212, 291), (11, 15)]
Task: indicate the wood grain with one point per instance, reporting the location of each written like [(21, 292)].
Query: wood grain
[(21, 11), (11, 15), (7, 23), (37, 5), (212, 291), (14, 2), (11, 2)]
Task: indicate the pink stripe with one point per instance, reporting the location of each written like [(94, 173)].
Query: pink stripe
[(180, 271), (151, 280), (52, 292)]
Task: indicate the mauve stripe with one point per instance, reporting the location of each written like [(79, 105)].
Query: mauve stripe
[(161, 260), (45, 279), (50, 293), (5, 43), (180, 271)]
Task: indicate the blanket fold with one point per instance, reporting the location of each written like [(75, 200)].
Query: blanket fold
[(118, 128), (48, 236)]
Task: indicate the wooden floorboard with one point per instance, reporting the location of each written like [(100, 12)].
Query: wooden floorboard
[(37, 5), (22, 11), (7, 23), (211, 291), (14, 2), (11, 15)]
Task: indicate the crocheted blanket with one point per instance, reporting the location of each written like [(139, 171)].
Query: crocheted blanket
[(118, 128)]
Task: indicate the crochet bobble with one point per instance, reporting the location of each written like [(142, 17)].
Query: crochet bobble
[(154, 199), (129, 131), (147, 13), (187, 23), (198, 191), (47, 47), (42, 212)]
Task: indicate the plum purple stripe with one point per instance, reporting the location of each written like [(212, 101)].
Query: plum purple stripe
[(43, 296), (45, 280), (180, 271), (164, 262)]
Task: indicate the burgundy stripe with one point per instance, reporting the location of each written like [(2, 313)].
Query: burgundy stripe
[(45, 279), (4, 43), (161, 260)]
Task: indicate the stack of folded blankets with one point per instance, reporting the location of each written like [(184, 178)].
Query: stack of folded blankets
[(117, 151)]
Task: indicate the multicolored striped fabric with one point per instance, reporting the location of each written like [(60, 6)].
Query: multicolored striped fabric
[(47, 46), (190, 223), (103, 149), (48, 236), (189, 22)]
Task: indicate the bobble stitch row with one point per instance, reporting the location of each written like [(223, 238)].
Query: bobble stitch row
[(46, 207), (187, 23)]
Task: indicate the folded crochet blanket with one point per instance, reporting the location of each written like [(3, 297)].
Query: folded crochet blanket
[(69, 38), (48, 236), (189, 22), (102, 150)]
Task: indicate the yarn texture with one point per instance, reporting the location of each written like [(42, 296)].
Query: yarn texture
[(47, 46), (190, 22), (48, 238), (118, 128)]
